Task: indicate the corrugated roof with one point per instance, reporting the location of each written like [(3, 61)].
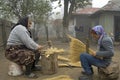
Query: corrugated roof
[(86, 11), (113, 5)]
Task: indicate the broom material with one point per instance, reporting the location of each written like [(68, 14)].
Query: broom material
[(76, 48), (61, 58), (52, 50), (67, 63), (61, 77)]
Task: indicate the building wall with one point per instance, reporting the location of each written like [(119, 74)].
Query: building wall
[(117, 27), (107, 21), (94, 21), (84, 23)]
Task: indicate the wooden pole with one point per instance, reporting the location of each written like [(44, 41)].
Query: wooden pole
[(87, 45)]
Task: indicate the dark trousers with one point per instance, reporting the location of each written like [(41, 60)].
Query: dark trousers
[(37, 56), (30, 66)]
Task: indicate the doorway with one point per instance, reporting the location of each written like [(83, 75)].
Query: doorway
[(117, 28)]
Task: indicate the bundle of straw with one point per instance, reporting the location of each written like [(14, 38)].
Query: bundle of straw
[(52, 50), (76, 48), (61, 77)]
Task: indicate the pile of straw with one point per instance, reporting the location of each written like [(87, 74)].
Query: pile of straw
[(61, 77)]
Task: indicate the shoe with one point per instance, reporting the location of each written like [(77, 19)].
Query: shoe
[(36, 68), (86, 77), (32, 75), (84, 73)]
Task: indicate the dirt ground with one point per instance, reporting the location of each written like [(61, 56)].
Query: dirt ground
[(74, 73)]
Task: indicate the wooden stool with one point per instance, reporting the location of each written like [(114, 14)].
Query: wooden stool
[(49, 64), (109, 73)]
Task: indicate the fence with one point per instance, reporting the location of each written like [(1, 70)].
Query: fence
[(5, 27)]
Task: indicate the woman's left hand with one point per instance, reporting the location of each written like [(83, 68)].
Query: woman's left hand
[(93, 53)]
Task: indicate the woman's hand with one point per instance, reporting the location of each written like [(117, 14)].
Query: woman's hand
[(40, 47), (93, 53)]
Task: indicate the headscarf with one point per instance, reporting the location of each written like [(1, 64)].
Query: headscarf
[(24, 22), (99, 31)]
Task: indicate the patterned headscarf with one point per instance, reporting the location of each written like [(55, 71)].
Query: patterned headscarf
[(99, 31)]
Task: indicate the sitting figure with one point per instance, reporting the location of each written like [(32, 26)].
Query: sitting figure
[(101, 58), (21, 49)]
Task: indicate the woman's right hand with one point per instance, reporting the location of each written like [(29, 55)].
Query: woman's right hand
[(40, 47)]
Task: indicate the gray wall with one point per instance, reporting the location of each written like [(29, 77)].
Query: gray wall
[(107, 21), (85, 22)]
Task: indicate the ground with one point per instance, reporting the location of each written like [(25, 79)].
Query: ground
[(74, 73)]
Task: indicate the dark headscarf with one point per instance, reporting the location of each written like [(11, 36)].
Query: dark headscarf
[(24, 22)]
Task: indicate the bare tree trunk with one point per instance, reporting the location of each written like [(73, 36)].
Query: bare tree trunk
[(65, 21), (58, 34), (46, 30), (67, 15), (71, 8), (4, 34), (34, 33), (65, 31)]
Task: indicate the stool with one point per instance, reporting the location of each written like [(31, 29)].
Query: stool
[(15, 69), (49, 64), (109, 73)]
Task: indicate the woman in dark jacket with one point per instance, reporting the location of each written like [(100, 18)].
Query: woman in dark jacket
[(21, 48)]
